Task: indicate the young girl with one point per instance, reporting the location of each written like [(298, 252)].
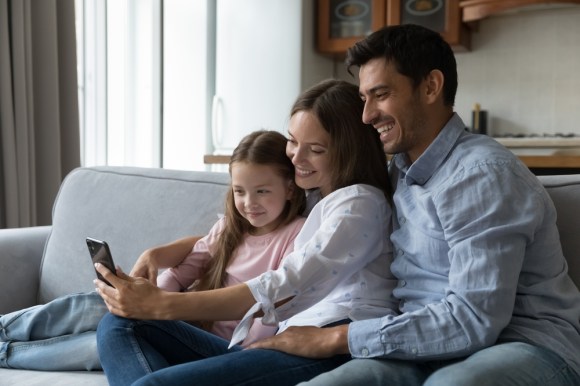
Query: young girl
[(258, 229), (262, 219), (339, 270)]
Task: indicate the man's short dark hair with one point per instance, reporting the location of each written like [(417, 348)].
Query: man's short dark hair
[(414, 50)]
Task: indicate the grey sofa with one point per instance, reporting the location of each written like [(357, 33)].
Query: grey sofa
[(133, 209)]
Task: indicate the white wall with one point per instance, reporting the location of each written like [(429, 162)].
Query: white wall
[(524, 68)]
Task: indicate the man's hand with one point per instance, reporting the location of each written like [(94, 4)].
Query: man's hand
[(308, 341)]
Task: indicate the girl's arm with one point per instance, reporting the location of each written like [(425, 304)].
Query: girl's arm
[(185, 257), (163, 256)]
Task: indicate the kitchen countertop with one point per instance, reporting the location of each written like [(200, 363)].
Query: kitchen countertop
[(539, 142), (545, 152), (531, 160), (535, 152)]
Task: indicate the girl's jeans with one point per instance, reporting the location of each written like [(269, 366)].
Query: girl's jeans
[(58, 336), (177, 353)]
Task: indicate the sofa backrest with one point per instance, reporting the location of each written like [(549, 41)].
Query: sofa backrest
[(136, 208), (565, 192), (130, 208)]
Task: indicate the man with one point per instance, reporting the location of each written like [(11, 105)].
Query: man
[(484, 293)]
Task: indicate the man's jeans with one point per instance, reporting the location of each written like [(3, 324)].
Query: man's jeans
[(506, 364), (177, 353), (59, 335)]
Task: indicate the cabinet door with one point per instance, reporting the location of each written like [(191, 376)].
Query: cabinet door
[(443, 16), (341, 23)]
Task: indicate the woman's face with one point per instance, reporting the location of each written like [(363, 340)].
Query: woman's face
[(308, 147)]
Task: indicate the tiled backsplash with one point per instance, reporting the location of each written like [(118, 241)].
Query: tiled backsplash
[(524, 69)]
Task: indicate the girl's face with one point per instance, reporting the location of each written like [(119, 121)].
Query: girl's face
[(260, 195), (307, 147)]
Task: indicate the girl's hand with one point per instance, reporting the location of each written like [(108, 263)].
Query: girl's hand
[(146, 266), (130, 297), (163, 256)]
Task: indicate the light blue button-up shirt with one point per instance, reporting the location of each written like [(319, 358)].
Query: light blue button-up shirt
[(478, 257)]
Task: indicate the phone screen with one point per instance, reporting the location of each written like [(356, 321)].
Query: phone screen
[(100, 253)]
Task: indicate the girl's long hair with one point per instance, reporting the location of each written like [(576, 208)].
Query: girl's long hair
[(261, 147)]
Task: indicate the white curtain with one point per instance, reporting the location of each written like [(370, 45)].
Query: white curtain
[(39, 118)]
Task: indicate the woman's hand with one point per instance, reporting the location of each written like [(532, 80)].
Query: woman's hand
[(130, 297), (137, 298)]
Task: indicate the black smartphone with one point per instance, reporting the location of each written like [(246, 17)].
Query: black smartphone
[(100, 253)]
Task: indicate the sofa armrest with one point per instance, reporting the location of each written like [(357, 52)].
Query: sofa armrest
[(21, 251)]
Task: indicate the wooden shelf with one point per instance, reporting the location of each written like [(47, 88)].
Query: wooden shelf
[(210, 159), (474, 10)]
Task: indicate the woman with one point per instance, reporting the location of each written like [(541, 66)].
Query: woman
[(339, 270)]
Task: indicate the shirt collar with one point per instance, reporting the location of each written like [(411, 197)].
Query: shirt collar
[(420, 171)]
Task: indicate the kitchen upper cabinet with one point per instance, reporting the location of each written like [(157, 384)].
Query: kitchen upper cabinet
[(341, 23), (474, 10), (443, 16)]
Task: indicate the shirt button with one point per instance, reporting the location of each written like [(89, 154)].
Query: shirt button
[(402, 283), (414, 350), (365, 352), (402, 220)]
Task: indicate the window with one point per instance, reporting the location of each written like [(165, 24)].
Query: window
[(145, 81)]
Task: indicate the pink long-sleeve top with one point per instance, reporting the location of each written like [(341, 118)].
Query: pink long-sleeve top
[(256, 255)]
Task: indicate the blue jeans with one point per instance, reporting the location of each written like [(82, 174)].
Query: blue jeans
[(59, 335), (506, 364), (136, 352)]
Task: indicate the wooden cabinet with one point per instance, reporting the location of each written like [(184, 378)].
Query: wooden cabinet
[(443, 16), (341, 23), (474, 10)]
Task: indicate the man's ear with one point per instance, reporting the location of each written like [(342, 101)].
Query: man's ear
[(433, 86)]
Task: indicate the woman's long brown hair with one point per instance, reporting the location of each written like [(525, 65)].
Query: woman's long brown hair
[(261, 147), (355, 150)]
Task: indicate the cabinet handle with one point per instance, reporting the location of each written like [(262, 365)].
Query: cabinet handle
[(216, 127)]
